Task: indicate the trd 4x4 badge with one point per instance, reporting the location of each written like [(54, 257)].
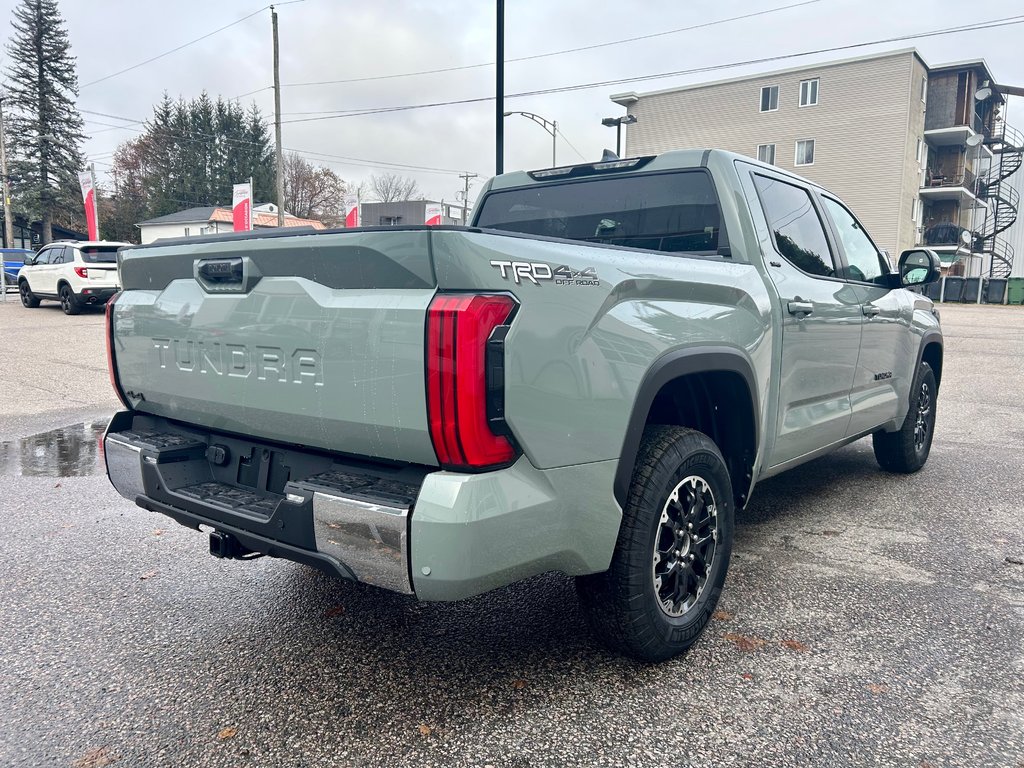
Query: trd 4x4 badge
[(536, 271)]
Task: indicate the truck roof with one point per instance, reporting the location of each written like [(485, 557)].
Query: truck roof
[(666, 161)]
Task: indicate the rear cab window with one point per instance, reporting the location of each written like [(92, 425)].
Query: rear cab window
[(674, 212), (99, 254)]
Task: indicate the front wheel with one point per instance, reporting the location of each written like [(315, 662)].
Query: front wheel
[(906, 450), (28, 299), (673, 549)]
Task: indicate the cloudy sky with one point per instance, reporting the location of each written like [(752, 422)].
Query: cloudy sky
[(330, 40)]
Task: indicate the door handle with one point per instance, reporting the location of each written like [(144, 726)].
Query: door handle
[(870, 310), (800, 308)]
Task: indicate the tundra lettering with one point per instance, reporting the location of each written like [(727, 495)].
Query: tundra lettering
[(270, 363)]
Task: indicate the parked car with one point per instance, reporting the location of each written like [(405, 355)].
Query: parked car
[(77, 274), (13, 259), (590, 379)]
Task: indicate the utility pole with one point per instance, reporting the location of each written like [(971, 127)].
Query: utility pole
[(499, 101), (465, 195), (8, 216), (277, 122)]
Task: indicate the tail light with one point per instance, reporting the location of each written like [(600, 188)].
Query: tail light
[(111, 362), (82, 271), (465, 379)]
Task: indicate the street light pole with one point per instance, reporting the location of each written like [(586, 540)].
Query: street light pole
[(499, 92), (551, 126), (618, 122), (277, 122)]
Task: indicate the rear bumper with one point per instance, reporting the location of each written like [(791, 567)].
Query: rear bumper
[(451, 536), (91, 295)]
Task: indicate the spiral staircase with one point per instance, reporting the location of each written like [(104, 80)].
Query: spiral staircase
[(1007, 146)]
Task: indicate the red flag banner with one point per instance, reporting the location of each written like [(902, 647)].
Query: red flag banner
[(433, 215), (88, 185), (351, 213), (241, 207)]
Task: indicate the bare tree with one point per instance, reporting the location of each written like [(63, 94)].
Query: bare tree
[(391, 188), (313, 192)]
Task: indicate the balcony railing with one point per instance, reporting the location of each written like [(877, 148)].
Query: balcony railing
[(943, 233), (961, 178)]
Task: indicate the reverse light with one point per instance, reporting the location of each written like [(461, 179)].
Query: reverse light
[(465, 380), (111, 361), (82, 271)]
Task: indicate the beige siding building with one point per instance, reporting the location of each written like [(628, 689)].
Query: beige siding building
[(858, 128)]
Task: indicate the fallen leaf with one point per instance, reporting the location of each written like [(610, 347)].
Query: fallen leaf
[(227, 733), (335, 610), (747, 676), (57, 485), (877, 688), (159, 531), (425, 730), (519, 684), (795, 645), (148, 575), (95, 758), (721, 616), (743, 642)]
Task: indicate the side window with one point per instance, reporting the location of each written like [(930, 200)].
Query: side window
[(796, 229), (57, 255), (45, 256), (863, 260)]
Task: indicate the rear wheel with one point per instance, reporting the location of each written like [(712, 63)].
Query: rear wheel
[(673, 549), (28, 299), (907, 450), (68, 301)]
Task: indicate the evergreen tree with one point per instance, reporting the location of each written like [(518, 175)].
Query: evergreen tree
[(45, 128)]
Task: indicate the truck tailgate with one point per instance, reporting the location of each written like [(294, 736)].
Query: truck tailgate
[(313, 340)]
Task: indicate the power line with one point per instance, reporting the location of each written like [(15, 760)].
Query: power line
[(550, 53), (184, 45), (977, 26)]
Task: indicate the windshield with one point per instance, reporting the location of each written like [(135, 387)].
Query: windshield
[(675, 212), (99, 254)]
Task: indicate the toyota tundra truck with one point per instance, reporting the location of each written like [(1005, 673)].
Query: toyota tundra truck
[(590, 378)]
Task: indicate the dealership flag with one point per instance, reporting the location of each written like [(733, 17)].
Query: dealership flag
[(87, 181), (241, 207), (352, 212), (433, 215)]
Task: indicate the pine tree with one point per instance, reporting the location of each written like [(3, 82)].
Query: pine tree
[(45, 128)]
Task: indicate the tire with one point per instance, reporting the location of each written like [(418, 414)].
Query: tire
[(28, 299), (624, 606), (906, 450), (68, 301)]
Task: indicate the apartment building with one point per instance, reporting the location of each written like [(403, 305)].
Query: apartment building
[(911, 148)]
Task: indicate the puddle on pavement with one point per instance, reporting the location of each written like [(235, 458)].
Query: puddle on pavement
[(72, 451)]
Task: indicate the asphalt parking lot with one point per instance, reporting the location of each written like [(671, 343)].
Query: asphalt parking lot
[(868, 619)]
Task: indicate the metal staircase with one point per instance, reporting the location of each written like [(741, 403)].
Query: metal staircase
[(1007, 145)]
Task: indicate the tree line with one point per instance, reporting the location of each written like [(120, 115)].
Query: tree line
[(189, 152)]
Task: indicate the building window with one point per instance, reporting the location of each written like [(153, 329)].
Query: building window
[(804, 152), (809, 93), (769, 98), (390, 221), (766, 153), (924, 90), (919, 145), (186, 232)]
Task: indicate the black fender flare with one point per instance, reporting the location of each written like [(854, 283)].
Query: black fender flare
[(932, 335), (673, 365)]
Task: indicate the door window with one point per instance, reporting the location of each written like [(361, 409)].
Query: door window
[(864, 262), (57, 255), (45, 255), (796, 229)]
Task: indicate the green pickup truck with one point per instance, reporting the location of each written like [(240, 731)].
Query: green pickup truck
[(589, 379)]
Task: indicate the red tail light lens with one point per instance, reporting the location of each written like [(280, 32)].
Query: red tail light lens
[(82, 271), (458, 328), (111, 368)]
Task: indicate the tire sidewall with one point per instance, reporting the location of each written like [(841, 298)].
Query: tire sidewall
[(925, 376), (672, 467)]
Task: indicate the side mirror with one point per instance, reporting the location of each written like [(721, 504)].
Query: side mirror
[(919, 266)]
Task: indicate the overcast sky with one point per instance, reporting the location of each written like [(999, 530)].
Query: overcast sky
[(333, 40)]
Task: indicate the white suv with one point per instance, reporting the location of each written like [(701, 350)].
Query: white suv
[(74, 273)]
